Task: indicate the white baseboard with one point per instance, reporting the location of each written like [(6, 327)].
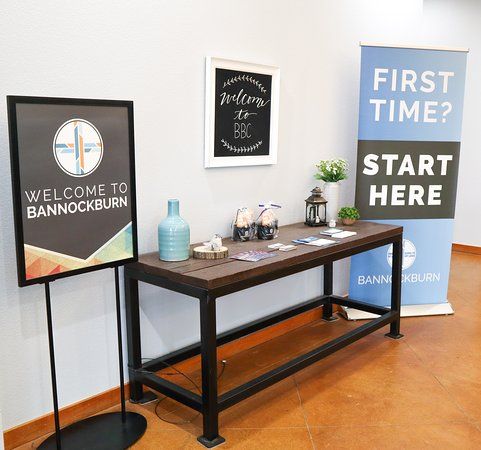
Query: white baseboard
[(436, 309)]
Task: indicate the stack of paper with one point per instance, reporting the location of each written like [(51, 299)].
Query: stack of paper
[(313, 240), (330, 231), (253, 255), (344, 234), (321, 242)]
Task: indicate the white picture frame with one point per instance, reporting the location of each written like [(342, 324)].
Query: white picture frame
[(240, 156)]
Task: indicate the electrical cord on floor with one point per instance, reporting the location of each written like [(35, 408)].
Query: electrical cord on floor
[(196, 386)]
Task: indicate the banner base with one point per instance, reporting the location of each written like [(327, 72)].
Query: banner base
[(435, 309)]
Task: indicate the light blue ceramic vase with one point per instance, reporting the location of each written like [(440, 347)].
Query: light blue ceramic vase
[(174, 235)]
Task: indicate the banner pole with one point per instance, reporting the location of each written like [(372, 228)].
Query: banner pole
[(415, 47), (52, 366), (119, 343)]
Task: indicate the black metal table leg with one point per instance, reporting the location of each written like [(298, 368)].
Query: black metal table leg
[(210, 409), (328, 282), (132, 314), (394, 332)]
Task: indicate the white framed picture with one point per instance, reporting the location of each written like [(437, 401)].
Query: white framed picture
[(241, 113)]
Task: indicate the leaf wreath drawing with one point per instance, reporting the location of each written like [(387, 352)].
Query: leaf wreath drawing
[(242, 149), (247, 78)]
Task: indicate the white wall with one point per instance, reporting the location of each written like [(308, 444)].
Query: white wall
[(153, 53), (457, 23)]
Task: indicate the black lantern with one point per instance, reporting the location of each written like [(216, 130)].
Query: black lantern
[(316, 209)]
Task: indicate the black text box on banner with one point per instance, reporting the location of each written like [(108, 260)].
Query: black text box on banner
[(407, 179)]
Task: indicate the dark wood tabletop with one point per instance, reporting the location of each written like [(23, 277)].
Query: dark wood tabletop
[(211, 274)]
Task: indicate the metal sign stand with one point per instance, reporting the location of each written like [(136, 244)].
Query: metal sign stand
[(110, 431)]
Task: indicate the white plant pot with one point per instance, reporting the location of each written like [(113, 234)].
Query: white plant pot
[(331, 194)]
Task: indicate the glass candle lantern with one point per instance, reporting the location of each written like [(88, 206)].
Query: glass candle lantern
[(316, 209)]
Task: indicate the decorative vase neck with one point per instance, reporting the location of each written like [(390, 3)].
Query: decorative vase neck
[(173, 209)]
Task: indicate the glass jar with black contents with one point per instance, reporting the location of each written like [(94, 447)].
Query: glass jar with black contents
[(243, 225), (267, 222)]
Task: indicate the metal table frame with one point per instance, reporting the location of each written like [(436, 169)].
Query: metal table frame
[(210, 404)]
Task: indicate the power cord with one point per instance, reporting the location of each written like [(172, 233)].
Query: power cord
[(196, 386)]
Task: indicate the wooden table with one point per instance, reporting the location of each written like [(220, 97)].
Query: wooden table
[(208, 280)]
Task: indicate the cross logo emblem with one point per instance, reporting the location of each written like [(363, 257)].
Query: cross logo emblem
[(78, 147)]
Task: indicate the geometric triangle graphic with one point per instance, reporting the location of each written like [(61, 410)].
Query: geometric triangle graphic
[(39, 263)]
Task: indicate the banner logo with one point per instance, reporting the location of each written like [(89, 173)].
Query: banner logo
[(409, 254), (78, 148)]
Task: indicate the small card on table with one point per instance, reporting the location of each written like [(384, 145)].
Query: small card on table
[(287, 248), (276, 246), (331, 231), (305, 240), (344, 234), (253, 255), (314, 240), (321, 242)]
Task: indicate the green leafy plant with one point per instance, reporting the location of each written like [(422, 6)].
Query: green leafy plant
[(331, 170), (349, 212)]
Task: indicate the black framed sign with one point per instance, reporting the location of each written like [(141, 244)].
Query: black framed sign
[(242, 104), (73, 184)]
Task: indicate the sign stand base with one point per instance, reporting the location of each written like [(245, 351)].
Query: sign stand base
[(111, 431), (102, 432)]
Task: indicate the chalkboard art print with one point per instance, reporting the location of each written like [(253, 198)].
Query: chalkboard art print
[(242, 103)]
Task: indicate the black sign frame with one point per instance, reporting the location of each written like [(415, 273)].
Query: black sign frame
[(257, 82), (12, 102)]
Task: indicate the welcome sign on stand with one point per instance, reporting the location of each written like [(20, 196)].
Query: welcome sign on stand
[(74, 191), (241, 113), (73, 180)]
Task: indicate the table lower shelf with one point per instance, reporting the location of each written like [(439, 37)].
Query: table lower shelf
[(147, 376)]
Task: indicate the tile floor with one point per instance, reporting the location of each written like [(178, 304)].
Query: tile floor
[(421, 392)]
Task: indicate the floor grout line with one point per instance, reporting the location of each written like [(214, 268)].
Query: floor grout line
[(380, 425), (477, 426), (394, 425), (444, 388), (304, 414), (266, 428)]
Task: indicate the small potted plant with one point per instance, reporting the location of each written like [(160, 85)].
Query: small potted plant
[(348, 215)]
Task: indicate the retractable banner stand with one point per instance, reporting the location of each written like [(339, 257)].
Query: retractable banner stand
[(410, 114)]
